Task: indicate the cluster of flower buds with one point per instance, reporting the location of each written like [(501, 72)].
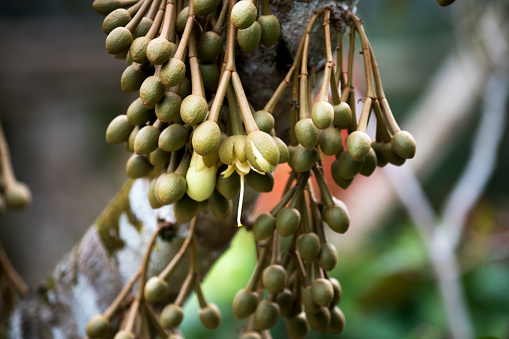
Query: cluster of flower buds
[(197, 149)]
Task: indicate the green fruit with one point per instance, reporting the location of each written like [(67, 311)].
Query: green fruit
[(220, 206), (358, 145), (336, 175), (138, 166), (228, 187), (138, 50), (98, 326), (266, 315), (158, 157), (319, 321), (308, 245), (210, 46), (152, 91), (337, 320), (342, 115), (193, 109), (118, 40), (330, 141), (170, 188), (322, 114), (168, 109), (106, 6), (250, 37), (327, 257), (287, 221), (172, 72), (285, 300), (132, 78), (403, 144), (284, 154), (245, 303), (210, 76), (243, 14), (259, 182), (117, 18), (307, 133), (297, 326), (155, 289), (160, 50), (369, 164), (270, 29), (182, 19), (264, 226), (337, 218), (322, 292), (262, 151), (206, 138), (138, 114), (173, 138), (204, 7), (303, 159), (264, 120), (118, 130), (143, 27), (146, 140), (171, 316), (210, 316), (274, 278)]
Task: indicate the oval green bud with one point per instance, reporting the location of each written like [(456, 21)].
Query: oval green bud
[(201, 180), (319, 321), (204, 7), (206, 138), (155, 289), (171, 316), (170, 188), (297, 326), (118, 130), (391, 156), (182, 19), (117, 18), (244, 303), (219, 206), (17, 195), (185, 87), (138, 166), (210, 76), (307, 133), (118, 40), (172, 72), (152, 199), (342, 115), (264, 226), (138, 114), (143, 27), (228, 187), (369, 164), (259, 182), (159, 157), (152, 91), (210, 46), (380, 160), (233, 146), (243, 14), (358, 145), (98, 326), (327, 257), (124, 335), (274, 278), (251, 335), (403, 144), (337, 218), (168, 109), (285, 300), (284, 154), (266, 315), (330, 141), (193, 109), (173, 138), (322, 114), (338, 291), (287, 221), (138, 50), (186, 208), (322, 292), (146, 140), (303, 159), (348, 168), (160, 50), (250, 37), (104, 7), (210, 316), (270, 29), (132, 78), (336, 175), (264, 120), (262, 151), (308, 245), (307, 300)]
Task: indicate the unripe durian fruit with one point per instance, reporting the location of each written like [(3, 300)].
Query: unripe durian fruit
[(369, 164), (138, 50), (262, 151), (322, 292), (210, 75), (307, 133), (138, 166), (160, 50), (172, 72), (319, 321), (152, 91), (168, 108), (250, 37), (137, 113), (171, 316), (204, 7), (243, 14), (182, 19), (308, 245), (193, 109), (358, 145), (210, 46), (117, 18), (124, 335), (210, 316), (266, 315), (287, 221), (327, 257), (143, 27), (118, 40), (155, 289), (342, 115), (132, 78), (303, 159), (264, 120), (274, 278), (146, 140), (259, 182), (270, 29), (337, 320), (245, 303), (403, 144), (98, 326), (330, 141), (17, 195), (297, 326), (118, 130), (206, 138), (170, 188), (322, 114), (264, 226)]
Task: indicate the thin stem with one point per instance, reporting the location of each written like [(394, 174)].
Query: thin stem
[(11, 272), (134, 9), (351, 53), (169, 21), (133, 310), (196, 78), (199, 293), (368, 72), (234, 110), (284, 200), (184, 164), (317, 222), (324, 91), (115, 305), (365, 113), (294, 112), (301, 184), (154, 28), (222, 18), (265, 7), (251, 286), (324, 191), (153, 321), (144, 265), (381, 127), (247, 117), (185, 289), (179, 54), (138, 16), (340, 76), (170, 268), (153, 10), (336, 99), (6, 170)]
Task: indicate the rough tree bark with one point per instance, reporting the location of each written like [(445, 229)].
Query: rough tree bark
[(87, 280)]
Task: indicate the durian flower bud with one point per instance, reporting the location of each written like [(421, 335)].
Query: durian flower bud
[(358, 145), (262, 151), (201, 180), (243, 14)]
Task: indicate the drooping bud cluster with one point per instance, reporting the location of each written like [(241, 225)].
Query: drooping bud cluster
[(198, 150)]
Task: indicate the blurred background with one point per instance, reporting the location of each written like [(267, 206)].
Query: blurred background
[(445, 73)]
